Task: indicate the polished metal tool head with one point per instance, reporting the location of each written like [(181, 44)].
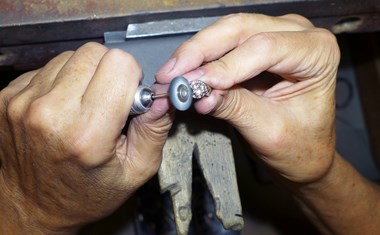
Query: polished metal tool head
[(142, 100)]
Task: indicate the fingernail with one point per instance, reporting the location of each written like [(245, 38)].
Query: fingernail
[(166, 68)]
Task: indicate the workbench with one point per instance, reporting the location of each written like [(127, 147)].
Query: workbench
[(33, 31)]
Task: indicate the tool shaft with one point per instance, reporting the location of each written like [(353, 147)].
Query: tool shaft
[(157, 96)]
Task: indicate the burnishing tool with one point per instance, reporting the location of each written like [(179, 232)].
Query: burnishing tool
[(181, 93)]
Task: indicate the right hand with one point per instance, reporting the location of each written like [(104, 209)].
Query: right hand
[(65, 162)]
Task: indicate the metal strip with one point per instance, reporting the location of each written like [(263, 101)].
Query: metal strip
[(168, 27)]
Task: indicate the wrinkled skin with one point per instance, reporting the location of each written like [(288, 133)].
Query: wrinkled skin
[(65, 162), (283, 115), (274, 80)]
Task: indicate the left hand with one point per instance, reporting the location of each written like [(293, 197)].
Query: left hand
[(286, 117)]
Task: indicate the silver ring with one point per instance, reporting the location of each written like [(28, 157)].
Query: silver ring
[(200, 89)]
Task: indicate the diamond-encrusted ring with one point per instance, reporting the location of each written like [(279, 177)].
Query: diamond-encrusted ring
[(200, 89)]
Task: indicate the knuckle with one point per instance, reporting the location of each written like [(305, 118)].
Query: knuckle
[(5, 92), (4, 98), (265, 41), (296, 17), (93, 46), (328, 39), (20, 80), (38, 116), (222, 70), (331, 39), (327, 35), (301, 20), (91, 49), (238, 24), (77, 146), (62, 58), (15, 109), (237, 18), (120, 55), (65, 55), (124, 59)]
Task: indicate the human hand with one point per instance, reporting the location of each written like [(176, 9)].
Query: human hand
[(274, 81), (65, 162)]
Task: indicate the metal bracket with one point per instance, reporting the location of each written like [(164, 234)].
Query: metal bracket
[(168, 27), (160, 28)]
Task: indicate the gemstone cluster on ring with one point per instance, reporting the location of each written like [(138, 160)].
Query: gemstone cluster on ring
[(200, 89)]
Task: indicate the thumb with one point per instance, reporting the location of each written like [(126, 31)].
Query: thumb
[(259, 119), (147, 134)]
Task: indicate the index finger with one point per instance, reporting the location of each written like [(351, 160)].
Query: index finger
[(109, 95), (223, 36)]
